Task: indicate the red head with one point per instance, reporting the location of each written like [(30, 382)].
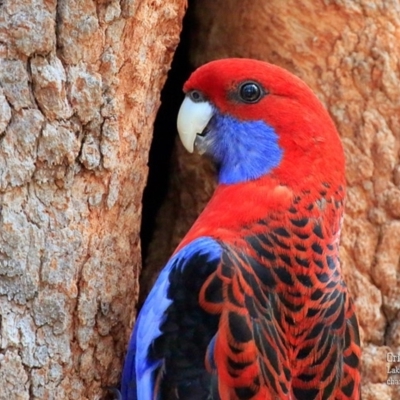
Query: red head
[(304, 147)]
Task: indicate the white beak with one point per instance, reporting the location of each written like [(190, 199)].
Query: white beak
[(192, 119)]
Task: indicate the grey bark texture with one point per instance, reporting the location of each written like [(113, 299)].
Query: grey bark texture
[(79, 90)]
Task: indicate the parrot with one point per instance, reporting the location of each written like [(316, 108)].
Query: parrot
[(252, 305)]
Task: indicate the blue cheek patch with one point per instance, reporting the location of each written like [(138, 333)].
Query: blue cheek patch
[(243, 150)]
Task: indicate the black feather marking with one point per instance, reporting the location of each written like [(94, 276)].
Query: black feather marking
[(213, 292), (265, 240), (336, 273), (231, 297), (276, 338), (282, 232), (268, 255), (226, 266), (332, 309), (286, 259), (249, 301), (317, 294), (288, 304), (300, 247), (318, 231), (317, 248), (323, 277), (289, 320), (263, 273), (287, 373), (331, 284), (268, 350), (339, 321), (273, 358), (283, 275), (238, 365), (319, 263), (352, 360), (278, 242), (256, 244), (330, 366), (284, 388), (315, 331), (300, 223), (353, 322), (238, 327), (324, 342), (328, 391), (304, 352), (270, 377), (305, 394), (331, 262), (245, 393), (306, 377), (302, 235), (250, 278), (348, 389), (311, 312), (305, 280), (233, 349), (303, 262), (325, 298)]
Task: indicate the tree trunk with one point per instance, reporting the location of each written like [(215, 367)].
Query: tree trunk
[(79, 89), (348, 52)]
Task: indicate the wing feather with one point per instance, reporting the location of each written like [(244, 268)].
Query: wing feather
[(166, 353)]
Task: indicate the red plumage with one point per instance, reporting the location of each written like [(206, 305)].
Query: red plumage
[(313, 151), (304, 336)]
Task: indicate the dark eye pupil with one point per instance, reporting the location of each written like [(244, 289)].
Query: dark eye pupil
[(250, 92), (196, 96)]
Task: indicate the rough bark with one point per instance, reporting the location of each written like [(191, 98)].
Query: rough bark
[(79, 89), (348, 52)]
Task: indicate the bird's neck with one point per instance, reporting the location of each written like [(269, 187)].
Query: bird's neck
[(233, 206), (265, 204)]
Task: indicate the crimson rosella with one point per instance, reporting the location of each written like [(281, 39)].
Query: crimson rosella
[(252, 304)]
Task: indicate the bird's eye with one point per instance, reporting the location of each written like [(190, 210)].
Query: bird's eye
[(250, 92), (196, 96)]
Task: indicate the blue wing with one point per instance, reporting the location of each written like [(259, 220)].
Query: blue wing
[(166, 353)]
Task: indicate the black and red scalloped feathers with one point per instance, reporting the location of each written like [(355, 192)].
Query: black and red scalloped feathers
[(287, 327)]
